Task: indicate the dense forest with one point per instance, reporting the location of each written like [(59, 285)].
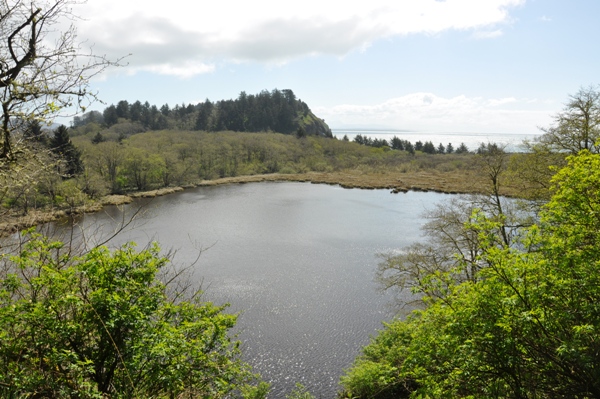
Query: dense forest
[(275, 111)]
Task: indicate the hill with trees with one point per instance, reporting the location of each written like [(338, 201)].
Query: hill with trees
[(268, 111)]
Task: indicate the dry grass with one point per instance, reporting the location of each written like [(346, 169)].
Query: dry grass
[(454, 181)]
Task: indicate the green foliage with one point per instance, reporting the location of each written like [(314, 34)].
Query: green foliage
[(143, 170), (101, 325), (375, 373), (532, 172), (98, 138), (576, 128), (69, 193), (299, 392), (527, 327), (154, 159)]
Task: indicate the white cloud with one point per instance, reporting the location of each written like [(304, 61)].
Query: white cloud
[(187, 70), (496, 102), (429, 112), (164, 35)]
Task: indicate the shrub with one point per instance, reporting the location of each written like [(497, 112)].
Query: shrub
[(101, 325)]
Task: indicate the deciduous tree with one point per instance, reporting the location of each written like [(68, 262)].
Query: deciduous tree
[(451, 250), (577, 126), (526, 328), (40, 75)]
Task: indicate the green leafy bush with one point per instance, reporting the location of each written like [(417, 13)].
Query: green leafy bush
[(527, 327), (299, 392), (101, 325)]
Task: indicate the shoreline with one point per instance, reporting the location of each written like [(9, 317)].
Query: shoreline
[(435, 181)]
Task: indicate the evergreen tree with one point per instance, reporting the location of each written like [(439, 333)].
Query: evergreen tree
[(396, 144), (380, 143), (160, 122), (428, 148), (204, 112), (110, 115), (135, 111), (146, 117), (462, 149), (98, 138), (153, 115), (123, 109), (34, 132), (61, 145)]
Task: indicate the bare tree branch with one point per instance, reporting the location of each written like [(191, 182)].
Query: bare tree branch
[(42, 71)]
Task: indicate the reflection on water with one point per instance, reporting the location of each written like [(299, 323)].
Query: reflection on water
[(297, 261)]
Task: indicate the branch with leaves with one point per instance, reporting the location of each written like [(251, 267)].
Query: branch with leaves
[(43, 71)]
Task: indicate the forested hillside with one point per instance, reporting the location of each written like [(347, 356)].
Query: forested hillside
[(275, 111)]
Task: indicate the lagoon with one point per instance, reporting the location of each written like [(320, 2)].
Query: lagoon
[(296, 260)]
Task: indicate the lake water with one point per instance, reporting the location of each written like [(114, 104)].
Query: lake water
[(296, 259), (512, 141)]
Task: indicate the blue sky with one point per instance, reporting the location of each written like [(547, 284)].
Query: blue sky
[(427, 65)]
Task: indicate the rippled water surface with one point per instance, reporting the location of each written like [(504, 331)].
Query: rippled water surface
[(297, 260)]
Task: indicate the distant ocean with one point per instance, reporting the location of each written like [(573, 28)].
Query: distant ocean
[(513, 142)]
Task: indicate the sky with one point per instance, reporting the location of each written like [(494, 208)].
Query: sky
[(482, 66)]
